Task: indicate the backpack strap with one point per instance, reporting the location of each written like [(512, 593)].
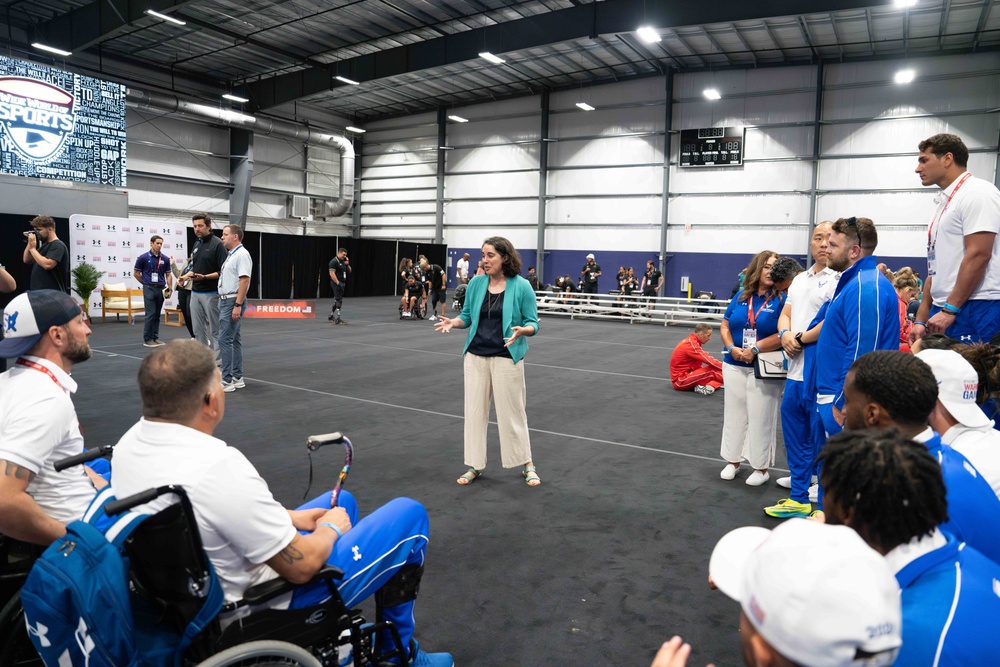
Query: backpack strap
[(115, 529)]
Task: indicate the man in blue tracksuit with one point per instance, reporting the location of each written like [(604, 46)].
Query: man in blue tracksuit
[(862, 316), (950, 606)]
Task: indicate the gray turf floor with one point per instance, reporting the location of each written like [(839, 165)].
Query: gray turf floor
[(599, 565)]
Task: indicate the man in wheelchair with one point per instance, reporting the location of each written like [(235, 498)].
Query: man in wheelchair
[(248, 536), (413, 296)]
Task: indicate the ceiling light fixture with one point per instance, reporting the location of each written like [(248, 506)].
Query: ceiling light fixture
[(584, 106), (235, 98), (458, 119), (51, 49), (496, 60), (711, 94), (906, 3), (344, 79), (446, 148), (648, 34), (164, 17), (355, 130), (904, 76)]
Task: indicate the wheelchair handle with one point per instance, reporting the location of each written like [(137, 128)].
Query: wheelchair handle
[(83, 457), (127, 503), (314, 442)]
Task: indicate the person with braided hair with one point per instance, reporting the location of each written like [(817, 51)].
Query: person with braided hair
[(890, 389), (890, 489)]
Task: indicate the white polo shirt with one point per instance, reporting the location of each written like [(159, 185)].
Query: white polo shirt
[(975, 207), (38, 426), (238, 264), (981, 446), (806, 295)]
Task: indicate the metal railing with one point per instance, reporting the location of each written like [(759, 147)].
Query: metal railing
[(633, 308)]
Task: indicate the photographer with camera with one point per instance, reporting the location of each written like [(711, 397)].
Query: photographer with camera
[(48, 255)]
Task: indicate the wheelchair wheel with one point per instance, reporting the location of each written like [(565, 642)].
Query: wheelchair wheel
[(263, 654), (16, 649)]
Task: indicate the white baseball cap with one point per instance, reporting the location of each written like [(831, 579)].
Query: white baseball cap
[(816, 593), (29, 315), (590, 256), (958, 384)]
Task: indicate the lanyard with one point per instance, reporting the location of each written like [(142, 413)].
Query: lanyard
[(223, 267), (752, 316), (42, 369), (937, 218)]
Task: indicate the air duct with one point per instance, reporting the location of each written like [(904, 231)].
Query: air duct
[(144, 100)]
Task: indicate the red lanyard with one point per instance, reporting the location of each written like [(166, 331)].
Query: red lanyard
[(954, 192), (38, 367), (752, 316)]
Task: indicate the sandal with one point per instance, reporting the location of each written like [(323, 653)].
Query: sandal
[(530, 476), (470, 476)]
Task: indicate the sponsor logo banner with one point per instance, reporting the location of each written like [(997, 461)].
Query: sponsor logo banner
[(298, 309)]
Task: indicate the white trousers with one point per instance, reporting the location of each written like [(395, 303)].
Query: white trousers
[(750, 417), (501, 380)]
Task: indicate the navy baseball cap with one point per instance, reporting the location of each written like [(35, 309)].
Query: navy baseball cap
[(28, 316)]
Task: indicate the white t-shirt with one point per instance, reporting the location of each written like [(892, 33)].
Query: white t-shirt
[(981, 446), (38, 426), (806, 295), (241, 524), (463, 268), (974, 208)]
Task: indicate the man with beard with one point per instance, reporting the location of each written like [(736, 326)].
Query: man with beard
[(208, 257), (48, 256), (47, 334)]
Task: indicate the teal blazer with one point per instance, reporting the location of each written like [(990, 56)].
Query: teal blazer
[(519, 309)]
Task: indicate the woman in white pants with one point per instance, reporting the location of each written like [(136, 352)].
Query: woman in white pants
[(750, 417), (500, 312)]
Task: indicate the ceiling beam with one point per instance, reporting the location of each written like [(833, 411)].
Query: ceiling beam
[(85, 26)]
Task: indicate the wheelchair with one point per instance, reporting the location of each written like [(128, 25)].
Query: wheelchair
[(418, 312), (16, 559)]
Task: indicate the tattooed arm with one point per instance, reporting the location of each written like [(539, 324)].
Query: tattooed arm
[(306, 554), (20, 516)]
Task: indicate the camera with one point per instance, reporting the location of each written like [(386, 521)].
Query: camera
[(38, 237)]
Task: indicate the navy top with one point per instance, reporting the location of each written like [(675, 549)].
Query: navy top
[(766, 310), (488, 341), (147, 263)]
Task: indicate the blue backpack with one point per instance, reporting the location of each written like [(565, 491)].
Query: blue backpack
[(77, 605)]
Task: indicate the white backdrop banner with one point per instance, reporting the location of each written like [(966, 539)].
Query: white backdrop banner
[(113, 244)]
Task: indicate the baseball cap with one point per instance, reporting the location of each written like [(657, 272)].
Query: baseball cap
[(958, 384), (590, 256), (816, 593), (30, 315)]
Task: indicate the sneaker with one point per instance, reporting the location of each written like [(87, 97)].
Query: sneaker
[(814, 493), (757, 478), (729, 472), (150, 343), (704, 389), (432, 318), (159, 342), (784, 482), (228, 387), (330, 319), (787, 508), (342, 322), (420, 659), (239, 383)]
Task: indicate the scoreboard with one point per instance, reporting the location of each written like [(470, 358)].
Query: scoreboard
[(712, 147)]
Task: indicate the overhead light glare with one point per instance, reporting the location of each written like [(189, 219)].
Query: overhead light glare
[(648, 34), (235, 98), (446, 148), (344, 79), (905, 76), (164, 17), (496, 60), (458, 119), (906, 3), (51, 49), (584, 106), (711, 94), (355, 130)]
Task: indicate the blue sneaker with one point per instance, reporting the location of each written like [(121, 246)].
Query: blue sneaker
[(420, 659)]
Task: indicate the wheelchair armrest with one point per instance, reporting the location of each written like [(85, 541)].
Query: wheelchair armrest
[(271, 589)]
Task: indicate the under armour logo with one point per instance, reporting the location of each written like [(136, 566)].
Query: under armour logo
[(996, 588), (84, 641), (39, 631), (357, 552), (10, 322)]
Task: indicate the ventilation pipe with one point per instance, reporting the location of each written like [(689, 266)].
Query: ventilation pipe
[(143, 100)]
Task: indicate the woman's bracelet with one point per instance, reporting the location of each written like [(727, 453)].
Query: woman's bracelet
[(335, 529)]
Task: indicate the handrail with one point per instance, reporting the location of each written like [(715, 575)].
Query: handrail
[(633, 308)]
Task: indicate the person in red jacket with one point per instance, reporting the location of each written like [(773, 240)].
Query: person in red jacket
[(693, 368)]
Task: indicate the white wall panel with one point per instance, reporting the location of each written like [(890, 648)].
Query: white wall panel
[(397, 208), (493, 214), (489, 158), (628, 92), (406, 168), (888, 172), (891, 209), (638, 211), (905, 134), (772, 142), (740, 82), (521, 184), (614, 121), (401, 183), (749, 210), (167, 162), (397, 195), (739, 239), (753, 177), (609, 150), (499, 131), (883, 71), (598, 239), (619, 181), (517, 105), (473, 237)]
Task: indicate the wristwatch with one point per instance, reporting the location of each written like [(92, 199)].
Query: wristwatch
[(755, 349), (798, 338), (238, 305)]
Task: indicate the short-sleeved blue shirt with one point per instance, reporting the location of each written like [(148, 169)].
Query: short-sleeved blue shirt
[(148, 264), (766, 308)]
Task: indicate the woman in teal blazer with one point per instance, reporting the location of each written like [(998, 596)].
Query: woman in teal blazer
[(500, 312)]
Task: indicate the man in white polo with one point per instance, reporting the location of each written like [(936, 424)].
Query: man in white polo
[(234, 281)]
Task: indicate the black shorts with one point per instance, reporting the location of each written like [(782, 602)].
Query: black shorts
[(439, 296)]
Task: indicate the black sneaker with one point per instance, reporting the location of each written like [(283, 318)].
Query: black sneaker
[(330, 319)]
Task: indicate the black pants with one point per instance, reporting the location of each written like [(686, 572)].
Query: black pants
[(184, 303), (338, 296)]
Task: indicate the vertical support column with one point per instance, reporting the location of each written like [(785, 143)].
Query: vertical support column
[(356, 210), (543, 179), (668, 123), (240, 174), (439, 210), (818, 115)]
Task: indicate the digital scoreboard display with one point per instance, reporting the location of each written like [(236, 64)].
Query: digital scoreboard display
[(712, 147), (59, 125)]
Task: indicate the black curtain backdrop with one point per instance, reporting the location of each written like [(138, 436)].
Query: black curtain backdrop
[(251, 241), (278, 253), (373, 267), (12, 228)]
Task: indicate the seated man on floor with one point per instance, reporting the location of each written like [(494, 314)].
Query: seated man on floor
[(693, 368), (249, 537)]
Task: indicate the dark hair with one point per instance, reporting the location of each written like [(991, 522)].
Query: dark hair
[(785, 268), (202, 216), (942, 144), (340, 250), (42, 221), (174, 380), (893, 485), (899, 382), (508, 253), (938, 341), (152, 239), (531, 268), (985, 358), (863, 229), (753, 272), (236, 231)]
